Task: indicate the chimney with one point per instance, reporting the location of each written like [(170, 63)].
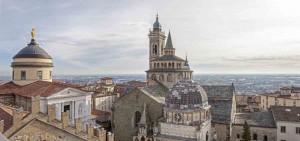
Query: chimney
[(1, 126), (17, 117), (51, 113), (35, 104), (90, 131), (111, 136), (78, 125), (65, 119)]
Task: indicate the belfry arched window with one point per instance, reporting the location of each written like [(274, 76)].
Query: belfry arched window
[(155, 49)]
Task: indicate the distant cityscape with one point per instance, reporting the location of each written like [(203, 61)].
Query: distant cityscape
[(244, 83)]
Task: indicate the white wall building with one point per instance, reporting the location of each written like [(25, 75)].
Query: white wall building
[(288, 122), (77, 102)]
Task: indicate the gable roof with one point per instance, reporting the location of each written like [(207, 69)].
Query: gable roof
[(221, 91), (38, 88), (286, 113), (257, 119), (221, 111)]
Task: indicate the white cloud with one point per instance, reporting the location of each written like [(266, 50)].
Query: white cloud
[(108, 37)]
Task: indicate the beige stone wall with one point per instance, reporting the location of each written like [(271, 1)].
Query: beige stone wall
[(125, 109), (31, 72), (39, 130), (260, 131), (222, 131), (40, 60), (31, 75)]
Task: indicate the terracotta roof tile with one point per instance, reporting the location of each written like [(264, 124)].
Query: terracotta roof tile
[(41, 88)]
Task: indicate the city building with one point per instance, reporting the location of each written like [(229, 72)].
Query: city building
[(248, 103), (164, 65), (187, 115), (262, 126), (221, 98), (287, 120), (33, 107), (287, 96), (165, 71)]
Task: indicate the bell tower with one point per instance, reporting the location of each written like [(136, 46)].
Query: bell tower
[(156, 41)]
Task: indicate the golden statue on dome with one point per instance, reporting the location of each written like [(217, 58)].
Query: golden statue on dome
[(33, 33)]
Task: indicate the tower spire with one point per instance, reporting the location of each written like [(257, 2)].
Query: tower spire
[(186, 63), (169, 41)]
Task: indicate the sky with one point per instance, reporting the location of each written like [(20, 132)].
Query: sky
[(111, 37)]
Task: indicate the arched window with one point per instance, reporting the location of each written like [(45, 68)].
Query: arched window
[(143, 138), (173, 65), (136, 139), (157, 65), (254, 136), (165, 66), (169, 65), (265, 138), (137, 117), (206, 138), (161, 78), (170, 78), (153, 77), (155, 49)]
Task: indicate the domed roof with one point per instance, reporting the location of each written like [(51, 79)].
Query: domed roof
[(32, 51), (186, 94), (156, 24)]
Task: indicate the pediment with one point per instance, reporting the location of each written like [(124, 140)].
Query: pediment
[(68, 93)]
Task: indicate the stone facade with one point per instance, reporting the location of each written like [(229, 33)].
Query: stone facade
[(164, 66), (262, 134), (129, 109)]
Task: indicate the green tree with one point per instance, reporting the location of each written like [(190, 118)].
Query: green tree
[(246, 132)]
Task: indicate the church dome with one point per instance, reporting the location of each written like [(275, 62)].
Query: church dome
[(186, 94), (32, 51), (156, 24)]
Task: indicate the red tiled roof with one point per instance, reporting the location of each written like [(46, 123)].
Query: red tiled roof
[(41, 88), (9, 88)]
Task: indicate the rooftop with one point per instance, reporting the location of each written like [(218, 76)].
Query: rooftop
[(38, 88), (257, 119), (169, 58), (286, 113)]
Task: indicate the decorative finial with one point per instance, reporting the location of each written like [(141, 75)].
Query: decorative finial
[(33, 33)]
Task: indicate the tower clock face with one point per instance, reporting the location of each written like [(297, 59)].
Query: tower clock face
[(178, 117)]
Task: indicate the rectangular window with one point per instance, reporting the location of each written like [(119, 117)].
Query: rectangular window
[(50, 74), (238, 136), (297, 130), (23, 75), (282, 129), (13, 75), (40, 75)]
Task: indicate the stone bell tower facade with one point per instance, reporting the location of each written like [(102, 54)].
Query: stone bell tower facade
[(156, 41), (164, 66)]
